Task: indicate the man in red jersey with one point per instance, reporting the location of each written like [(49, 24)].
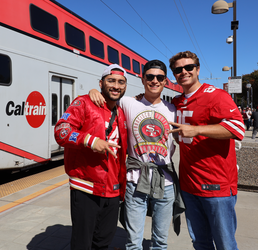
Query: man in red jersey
[(208, 121), (95, 142)]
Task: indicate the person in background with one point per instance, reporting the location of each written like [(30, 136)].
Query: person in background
[(150, 171), (245, 117), (254, 118), (248, 121), (208, 121), (240, 110), (95, 142)]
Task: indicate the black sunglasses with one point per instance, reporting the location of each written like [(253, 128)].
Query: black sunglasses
[(188, 67), (160, 78)]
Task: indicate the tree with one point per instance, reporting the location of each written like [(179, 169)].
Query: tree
[(253, 80)]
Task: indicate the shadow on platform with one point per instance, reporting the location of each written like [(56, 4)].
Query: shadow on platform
[(57, 237)]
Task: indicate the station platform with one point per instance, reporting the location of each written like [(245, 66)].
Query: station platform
[(38, 218)]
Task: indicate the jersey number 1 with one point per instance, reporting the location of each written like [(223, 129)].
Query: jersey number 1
[(181, 115)]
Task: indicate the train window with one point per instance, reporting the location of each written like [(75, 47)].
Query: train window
[(74, 37), (142, 68), (168, 99), (164, 97), (136, 67), (54, 109), (5, 70), (66, 102), (43, 22), (126, 62), (96, 47), (113, 55)]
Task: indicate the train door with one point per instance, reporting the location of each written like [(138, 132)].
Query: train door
[(61, 97)]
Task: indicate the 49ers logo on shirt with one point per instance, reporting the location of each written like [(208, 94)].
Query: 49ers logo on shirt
[(150, 130), (34, 109), (210, 89)]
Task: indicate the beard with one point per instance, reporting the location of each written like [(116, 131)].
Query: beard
[(107, 93)]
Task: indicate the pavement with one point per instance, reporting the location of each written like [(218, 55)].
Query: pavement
[(248, 138), (38, 218)]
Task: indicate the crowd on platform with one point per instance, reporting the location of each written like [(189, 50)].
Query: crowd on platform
[(250, 117)]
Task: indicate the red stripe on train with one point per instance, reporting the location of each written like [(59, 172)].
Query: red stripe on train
[(16, 151)]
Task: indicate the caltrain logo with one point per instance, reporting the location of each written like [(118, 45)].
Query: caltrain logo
[(34, 109)]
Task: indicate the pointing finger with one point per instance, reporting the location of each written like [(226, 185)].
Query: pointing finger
[(109, 150), (113, 145), (174, 124)]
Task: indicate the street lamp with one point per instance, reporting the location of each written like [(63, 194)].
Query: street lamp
[(221, 7), (226, 68), (229, 40), (248, 95)]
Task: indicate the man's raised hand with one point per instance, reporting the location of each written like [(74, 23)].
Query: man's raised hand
[(184, 130), (102, 147)]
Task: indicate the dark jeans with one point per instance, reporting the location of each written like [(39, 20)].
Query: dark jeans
[(247, 124), (255, 130)]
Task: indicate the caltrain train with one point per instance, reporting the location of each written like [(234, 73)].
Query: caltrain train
[(48, 56)]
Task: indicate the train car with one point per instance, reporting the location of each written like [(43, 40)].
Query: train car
[(48, 56)]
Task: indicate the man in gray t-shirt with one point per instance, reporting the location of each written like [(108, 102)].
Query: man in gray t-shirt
[(150, 148)]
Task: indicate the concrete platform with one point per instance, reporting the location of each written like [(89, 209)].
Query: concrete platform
[(38, 218), (44, 223)]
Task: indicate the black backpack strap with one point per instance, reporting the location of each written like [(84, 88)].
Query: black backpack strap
[(109, 129)]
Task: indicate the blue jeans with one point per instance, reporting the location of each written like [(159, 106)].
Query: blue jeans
[(136, 204), (211, 220)]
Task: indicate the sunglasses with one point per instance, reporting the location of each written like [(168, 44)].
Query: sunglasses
[(188, 67), (160, 78)]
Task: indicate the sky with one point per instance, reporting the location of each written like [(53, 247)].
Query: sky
[(160, 29)]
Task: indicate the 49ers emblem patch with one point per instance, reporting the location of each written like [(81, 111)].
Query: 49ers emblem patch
[(150, 130), (64, 132), (76, 103)]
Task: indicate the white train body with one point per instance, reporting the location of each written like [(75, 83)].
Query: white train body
[(40, 76)]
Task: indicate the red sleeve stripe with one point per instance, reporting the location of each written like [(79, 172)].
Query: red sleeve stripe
[(82, 185)]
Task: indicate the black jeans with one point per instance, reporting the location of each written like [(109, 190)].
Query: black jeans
[(94, 220)]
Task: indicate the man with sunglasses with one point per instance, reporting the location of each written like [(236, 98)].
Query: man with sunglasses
[(95, 142), (208, 121), (149, 166)]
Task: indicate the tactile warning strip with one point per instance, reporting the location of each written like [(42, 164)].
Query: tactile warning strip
[(17, 185)]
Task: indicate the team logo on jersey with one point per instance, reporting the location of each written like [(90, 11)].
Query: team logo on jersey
[(76, 103), (150, 130), (210, 89), (185, 101), (64, 132), (63, 125), (34, 109)]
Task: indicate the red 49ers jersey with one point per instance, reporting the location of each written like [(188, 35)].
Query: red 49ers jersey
[(208, 166)]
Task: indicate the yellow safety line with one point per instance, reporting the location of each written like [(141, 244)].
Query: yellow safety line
[(31, 196)]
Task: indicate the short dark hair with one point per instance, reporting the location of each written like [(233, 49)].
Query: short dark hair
[(180, 55), (154, 64)]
